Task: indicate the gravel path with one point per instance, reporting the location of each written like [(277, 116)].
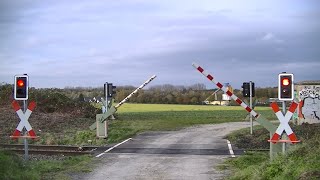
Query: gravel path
[(191, 153)]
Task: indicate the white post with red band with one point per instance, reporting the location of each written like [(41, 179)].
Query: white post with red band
[(284, 120), (24, 119)]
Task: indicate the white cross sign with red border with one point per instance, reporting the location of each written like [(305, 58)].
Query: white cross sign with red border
[(24, 119), (284, 120)]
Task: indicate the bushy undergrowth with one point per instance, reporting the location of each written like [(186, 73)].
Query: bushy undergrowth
[(300, 162), (51, 100)]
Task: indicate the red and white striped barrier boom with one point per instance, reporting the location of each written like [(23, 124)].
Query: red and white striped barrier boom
[(24, 119), (229, 93), (284, 126), (135, 91)]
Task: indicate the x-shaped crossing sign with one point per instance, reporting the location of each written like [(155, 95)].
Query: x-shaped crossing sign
[(24, 119), (284, 120)]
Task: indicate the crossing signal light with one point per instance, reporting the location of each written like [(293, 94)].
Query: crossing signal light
[(21, 87), (109, 90), (285, 87), (246, 89)]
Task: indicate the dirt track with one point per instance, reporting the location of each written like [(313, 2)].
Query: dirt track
[(191, 153)]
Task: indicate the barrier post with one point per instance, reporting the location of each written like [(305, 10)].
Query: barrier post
[(274, 148)]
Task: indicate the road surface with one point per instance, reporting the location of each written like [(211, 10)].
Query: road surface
[(191, 153)]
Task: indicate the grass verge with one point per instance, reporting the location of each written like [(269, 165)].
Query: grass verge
[(12, 167), (302, 161)]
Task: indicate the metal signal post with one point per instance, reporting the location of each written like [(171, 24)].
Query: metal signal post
[(251, 123), (25, 141), (284, 111), (248, 91), (101, 119)]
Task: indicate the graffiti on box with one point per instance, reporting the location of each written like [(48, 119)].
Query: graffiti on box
[(309, 107)]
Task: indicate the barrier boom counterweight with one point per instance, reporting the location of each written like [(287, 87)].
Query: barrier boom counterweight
[(102, 117)]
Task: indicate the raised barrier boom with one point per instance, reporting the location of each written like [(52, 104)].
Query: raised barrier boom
[(102, 117), (135, 91)]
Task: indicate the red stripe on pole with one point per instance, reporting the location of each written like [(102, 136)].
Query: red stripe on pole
[(219, 85), (293, 107), (293, 137), (15, 105), (32, 133), (200, 69), (32, 105), (16, 133), (209, 77), (229, 93), (275, 107), (275, 137), (248, 109), (238, 101)]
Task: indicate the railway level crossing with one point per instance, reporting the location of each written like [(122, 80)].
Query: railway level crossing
[(274, 148)]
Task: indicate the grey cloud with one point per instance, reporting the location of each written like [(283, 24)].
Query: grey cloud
[(136, 43), (255, 60)]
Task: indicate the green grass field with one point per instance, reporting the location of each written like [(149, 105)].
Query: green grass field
[(128, 107), (136, 118)]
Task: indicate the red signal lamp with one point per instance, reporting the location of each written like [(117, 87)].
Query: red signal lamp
[(20, 91), (285, 87), (20, 83), (285, 82)]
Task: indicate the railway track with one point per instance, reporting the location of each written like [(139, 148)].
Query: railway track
[(67, 150), (50, 149)]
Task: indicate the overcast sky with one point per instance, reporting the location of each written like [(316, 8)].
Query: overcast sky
[(86, 43)]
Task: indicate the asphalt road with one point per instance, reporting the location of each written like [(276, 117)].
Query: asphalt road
[(191, 153)]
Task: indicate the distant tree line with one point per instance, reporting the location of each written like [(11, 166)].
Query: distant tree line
[(157, 94), (196, 94), (170, 94)]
